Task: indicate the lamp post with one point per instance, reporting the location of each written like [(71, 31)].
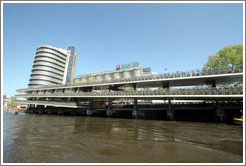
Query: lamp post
[(165, 74)]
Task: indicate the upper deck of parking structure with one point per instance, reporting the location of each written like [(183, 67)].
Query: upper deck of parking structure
[(186, 78)]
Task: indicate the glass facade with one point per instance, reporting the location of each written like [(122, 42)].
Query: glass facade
[(48, 66), (53, 66), (71, 64)]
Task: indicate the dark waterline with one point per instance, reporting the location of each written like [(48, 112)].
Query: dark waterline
[(42, 138)]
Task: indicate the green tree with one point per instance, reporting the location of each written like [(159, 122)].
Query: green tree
[(12, 100), (127, 88), (231, 55)]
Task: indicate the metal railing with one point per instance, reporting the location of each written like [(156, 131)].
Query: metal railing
[(64, 103), (182, 74), (191, 91), (178, 74), (192, 73)]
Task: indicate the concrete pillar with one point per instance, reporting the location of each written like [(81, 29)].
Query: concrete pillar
[(50, 111), (41, 110), (73, 112), (81, 112), (170, 114), (55, 110), (91, 104), (109, 111), (170, 111), (169, 105), (33, 111), (45, 110), (135, 112), (220, 114), (89, 112), (166, 86), (28, 108), (135, 104), (60, 111), (213, 84)]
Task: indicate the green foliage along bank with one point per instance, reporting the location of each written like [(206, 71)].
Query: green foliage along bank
[(12, 100), (229, 56)]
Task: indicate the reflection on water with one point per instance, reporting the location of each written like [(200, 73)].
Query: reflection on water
[(38, 138)]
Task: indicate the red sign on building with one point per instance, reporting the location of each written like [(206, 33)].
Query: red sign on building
[(118, 66)]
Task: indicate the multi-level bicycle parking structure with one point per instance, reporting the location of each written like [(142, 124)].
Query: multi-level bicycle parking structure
[(220, 84)]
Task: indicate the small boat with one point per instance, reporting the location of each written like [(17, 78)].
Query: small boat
[(15, 111), (238, 121)]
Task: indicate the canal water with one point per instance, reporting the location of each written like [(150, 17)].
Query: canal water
[(42, 138)]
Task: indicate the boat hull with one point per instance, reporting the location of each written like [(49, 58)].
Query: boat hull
[(238, 121)]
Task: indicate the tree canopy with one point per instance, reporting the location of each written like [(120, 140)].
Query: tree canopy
[(12, 100), (231, 55)]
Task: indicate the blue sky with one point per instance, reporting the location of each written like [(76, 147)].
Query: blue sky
[(176, 36)]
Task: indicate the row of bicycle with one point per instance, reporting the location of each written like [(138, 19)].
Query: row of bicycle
[(185, 91), (193, 73), (204, 91), (178, 74), (47, 102)]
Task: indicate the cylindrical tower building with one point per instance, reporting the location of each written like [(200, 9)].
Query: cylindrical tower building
[(49, 66)]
